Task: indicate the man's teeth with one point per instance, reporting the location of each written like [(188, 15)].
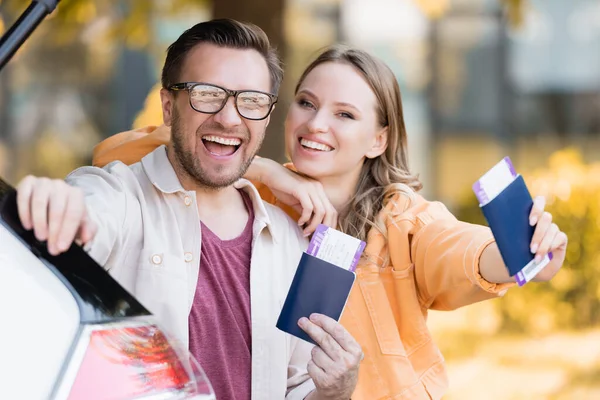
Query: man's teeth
[(221, 140), (315, 145)]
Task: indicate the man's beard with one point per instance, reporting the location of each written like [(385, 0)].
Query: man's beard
[(192, 164)]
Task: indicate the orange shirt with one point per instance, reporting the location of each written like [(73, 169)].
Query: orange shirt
[(427, 260)]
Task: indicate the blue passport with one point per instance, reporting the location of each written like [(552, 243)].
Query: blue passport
[(508, 217), (318, 287)]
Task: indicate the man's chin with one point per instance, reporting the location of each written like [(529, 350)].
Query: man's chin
[(218, 179), (215, 175), (221, 183)]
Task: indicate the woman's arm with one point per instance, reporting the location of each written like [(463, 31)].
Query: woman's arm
[(302, 198), (258, 168), (457, 263), (445, 254)]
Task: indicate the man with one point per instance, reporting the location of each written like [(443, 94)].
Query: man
[(192, 241)]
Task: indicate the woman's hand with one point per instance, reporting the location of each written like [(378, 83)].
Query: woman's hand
[(547, 238), (303, 194)]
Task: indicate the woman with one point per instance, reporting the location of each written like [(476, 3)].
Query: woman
[(346, 138)]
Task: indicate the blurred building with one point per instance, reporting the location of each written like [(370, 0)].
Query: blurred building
[(475, 87)]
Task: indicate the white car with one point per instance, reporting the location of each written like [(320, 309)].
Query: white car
[(70, 331)]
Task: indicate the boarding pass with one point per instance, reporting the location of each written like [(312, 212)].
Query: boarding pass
[(336, 247)]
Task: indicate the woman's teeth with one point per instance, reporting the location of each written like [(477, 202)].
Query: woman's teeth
[(315, 145)]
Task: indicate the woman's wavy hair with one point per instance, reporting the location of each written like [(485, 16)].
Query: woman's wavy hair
[(384, 176)]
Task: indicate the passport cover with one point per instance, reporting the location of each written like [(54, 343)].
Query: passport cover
[(508, 218), (317, 287)]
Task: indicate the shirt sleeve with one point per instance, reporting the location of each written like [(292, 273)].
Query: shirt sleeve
[(109, 206)]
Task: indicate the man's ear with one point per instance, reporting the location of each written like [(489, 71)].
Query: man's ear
[(167, 99), (380, 143)]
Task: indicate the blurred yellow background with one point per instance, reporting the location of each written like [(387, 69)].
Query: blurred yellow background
[(481, 79)]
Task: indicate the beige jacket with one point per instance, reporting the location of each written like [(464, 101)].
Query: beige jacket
[(149, 240)]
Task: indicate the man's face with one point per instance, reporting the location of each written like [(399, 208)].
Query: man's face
[(215, 150)]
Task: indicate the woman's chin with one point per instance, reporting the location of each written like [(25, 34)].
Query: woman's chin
[(309, 168)]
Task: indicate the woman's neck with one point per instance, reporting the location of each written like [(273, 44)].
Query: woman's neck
[(339, 190)]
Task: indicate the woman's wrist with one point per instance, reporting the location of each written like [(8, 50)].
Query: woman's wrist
[(258, 170), (491, 266)]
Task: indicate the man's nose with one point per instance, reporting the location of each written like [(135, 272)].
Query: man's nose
[(228, 116)]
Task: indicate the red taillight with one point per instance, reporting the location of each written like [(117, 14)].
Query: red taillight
[(127, 362)]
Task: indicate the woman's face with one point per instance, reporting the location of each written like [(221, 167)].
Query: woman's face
[(332, 126)]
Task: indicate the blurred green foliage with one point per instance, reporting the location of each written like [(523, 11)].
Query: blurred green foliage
[(572, 299), (124, 20)]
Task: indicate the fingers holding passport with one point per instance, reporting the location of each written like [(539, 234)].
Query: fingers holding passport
[(539, 204), (547, 238), (335, 359)]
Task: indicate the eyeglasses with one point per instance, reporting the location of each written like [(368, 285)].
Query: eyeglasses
[(210, 99)]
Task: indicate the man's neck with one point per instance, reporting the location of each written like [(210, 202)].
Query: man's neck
[(222, 210), (218, 200)]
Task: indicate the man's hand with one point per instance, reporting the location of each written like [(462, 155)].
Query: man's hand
[(55, 211), (335, 360)]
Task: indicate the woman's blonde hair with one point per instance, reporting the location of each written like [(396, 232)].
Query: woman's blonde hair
[(383, 176)]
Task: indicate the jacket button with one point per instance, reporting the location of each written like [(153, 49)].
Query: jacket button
[(188, 257), (187, 200), (156, 259)]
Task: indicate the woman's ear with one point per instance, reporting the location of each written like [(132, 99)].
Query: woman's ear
[(380, 143)]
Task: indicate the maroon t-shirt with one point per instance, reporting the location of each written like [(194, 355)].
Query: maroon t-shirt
[(220, 327)]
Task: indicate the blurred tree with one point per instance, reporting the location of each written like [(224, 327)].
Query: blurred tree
[(83, 38), (515, 10), (433, 8), (268, 14), (437, 8), (82, 55), (128, 21)]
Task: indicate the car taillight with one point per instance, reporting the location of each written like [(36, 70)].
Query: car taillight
[(126, 361)]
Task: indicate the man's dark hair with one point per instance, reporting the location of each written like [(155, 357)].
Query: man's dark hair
[(222, 33)]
